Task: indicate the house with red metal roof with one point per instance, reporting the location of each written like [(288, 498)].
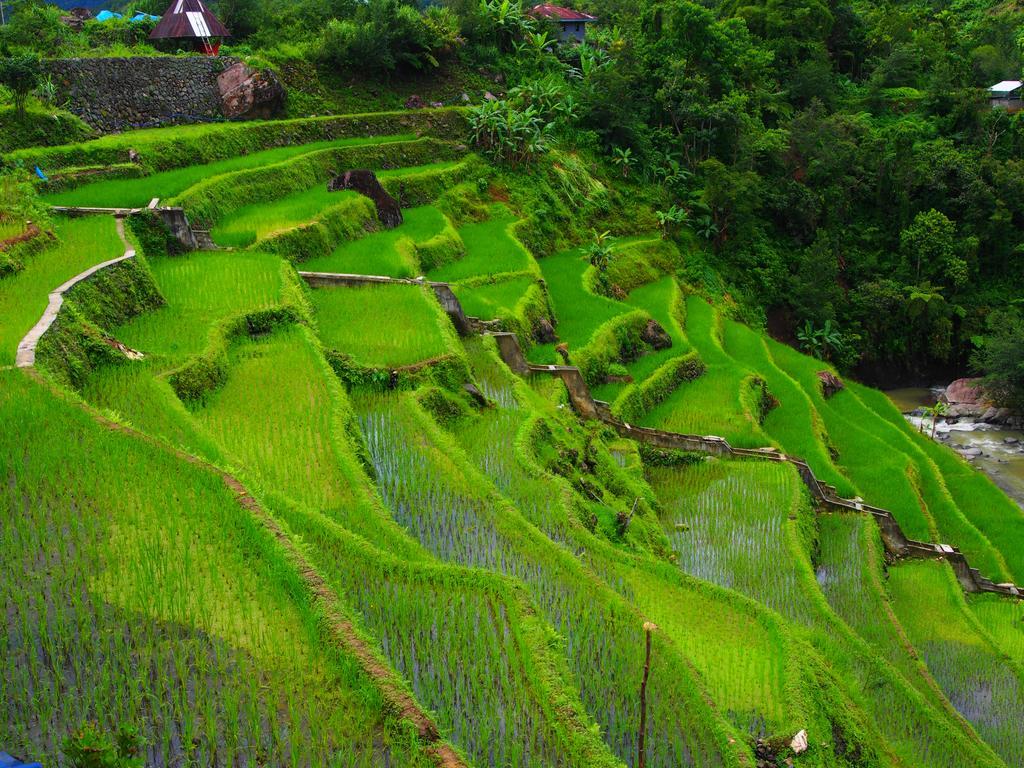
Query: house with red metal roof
[(572, 25), (191, 20)]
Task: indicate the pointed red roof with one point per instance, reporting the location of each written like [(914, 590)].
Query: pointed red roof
[(188, 18), (559, 13)]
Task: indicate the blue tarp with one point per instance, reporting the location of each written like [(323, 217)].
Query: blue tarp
[(145, 17), (108, 15), (6, 761)]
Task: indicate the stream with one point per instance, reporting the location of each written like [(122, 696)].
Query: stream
[(996, 451)]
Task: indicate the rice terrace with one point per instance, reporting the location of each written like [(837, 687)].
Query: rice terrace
[(466, 384)]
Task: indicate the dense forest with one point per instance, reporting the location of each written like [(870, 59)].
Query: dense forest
[(845, 180)]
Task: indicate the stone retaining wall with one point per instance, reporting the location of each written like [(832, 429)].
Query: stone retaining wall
[(115, 94), (897, 544)]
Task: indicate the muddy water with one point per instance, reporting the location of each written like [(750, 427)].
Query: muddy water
[(999, 452)]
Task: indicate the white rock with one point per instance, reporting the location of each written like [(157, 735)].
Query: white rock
[(799, 742)]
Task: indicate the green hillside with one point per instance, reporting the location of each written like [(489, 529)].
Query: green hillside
[(567, 468)]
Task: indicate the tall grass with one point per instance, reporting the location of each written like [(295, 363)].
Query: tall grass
[(382, 325), (135, 193), (80, 244), (140, 593)]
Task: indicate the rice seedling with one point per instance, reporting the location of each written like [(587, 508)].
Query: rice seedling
[(470, 648), (201, 288), (382, 325), (739, 544), (1003, 621), (142, 397), (140, 593), (849, 571), (774, 683), (457, 518), (81, 243), (384, 252), (986, 687), (136, 193), (866, 458), (727, 521), (491, 249), (741, 662), (883, 456), (492, 300)]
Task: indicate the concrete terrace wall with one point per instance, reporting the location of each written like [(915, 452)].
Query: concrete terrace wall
[(897, 544), (119, 93)]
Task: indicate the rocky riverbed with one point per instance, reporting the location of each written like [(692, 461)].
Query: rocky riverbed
[(995, 449)]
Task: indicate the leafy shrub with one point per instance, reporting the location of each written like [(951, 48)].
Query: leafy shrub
[(92, 747), (447, 409), (443, 248), (20, 75), (387, 36), (39, 128), (640, 399)]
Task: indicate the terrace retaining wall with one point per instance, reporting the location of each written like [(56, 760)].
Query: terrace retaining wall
[(897, 544), (114, 94)]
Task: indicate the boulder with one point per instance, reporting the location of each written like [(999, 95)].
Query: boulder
[(366, 183), (477, 396), (967, 391), (655, 335), (830, 383), (249, 93), (544, 332)]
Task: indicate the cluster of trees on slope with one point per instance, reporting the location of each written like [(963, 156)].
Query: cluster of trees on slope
[(840, 158)]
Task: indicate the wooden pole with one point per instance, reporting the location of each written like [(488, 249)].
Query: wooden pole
[(641, 757)]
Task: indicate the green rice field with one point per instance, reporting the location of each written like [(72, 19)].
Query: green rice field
[(491, 249), (254, 222), (382, 325), (201, 288), (250, 522), (135, 193), (387, 252), (78, 245)]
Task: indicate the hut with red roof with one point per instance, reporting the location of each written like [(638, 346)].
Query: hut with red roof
[(192, 21), (571, 24)]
